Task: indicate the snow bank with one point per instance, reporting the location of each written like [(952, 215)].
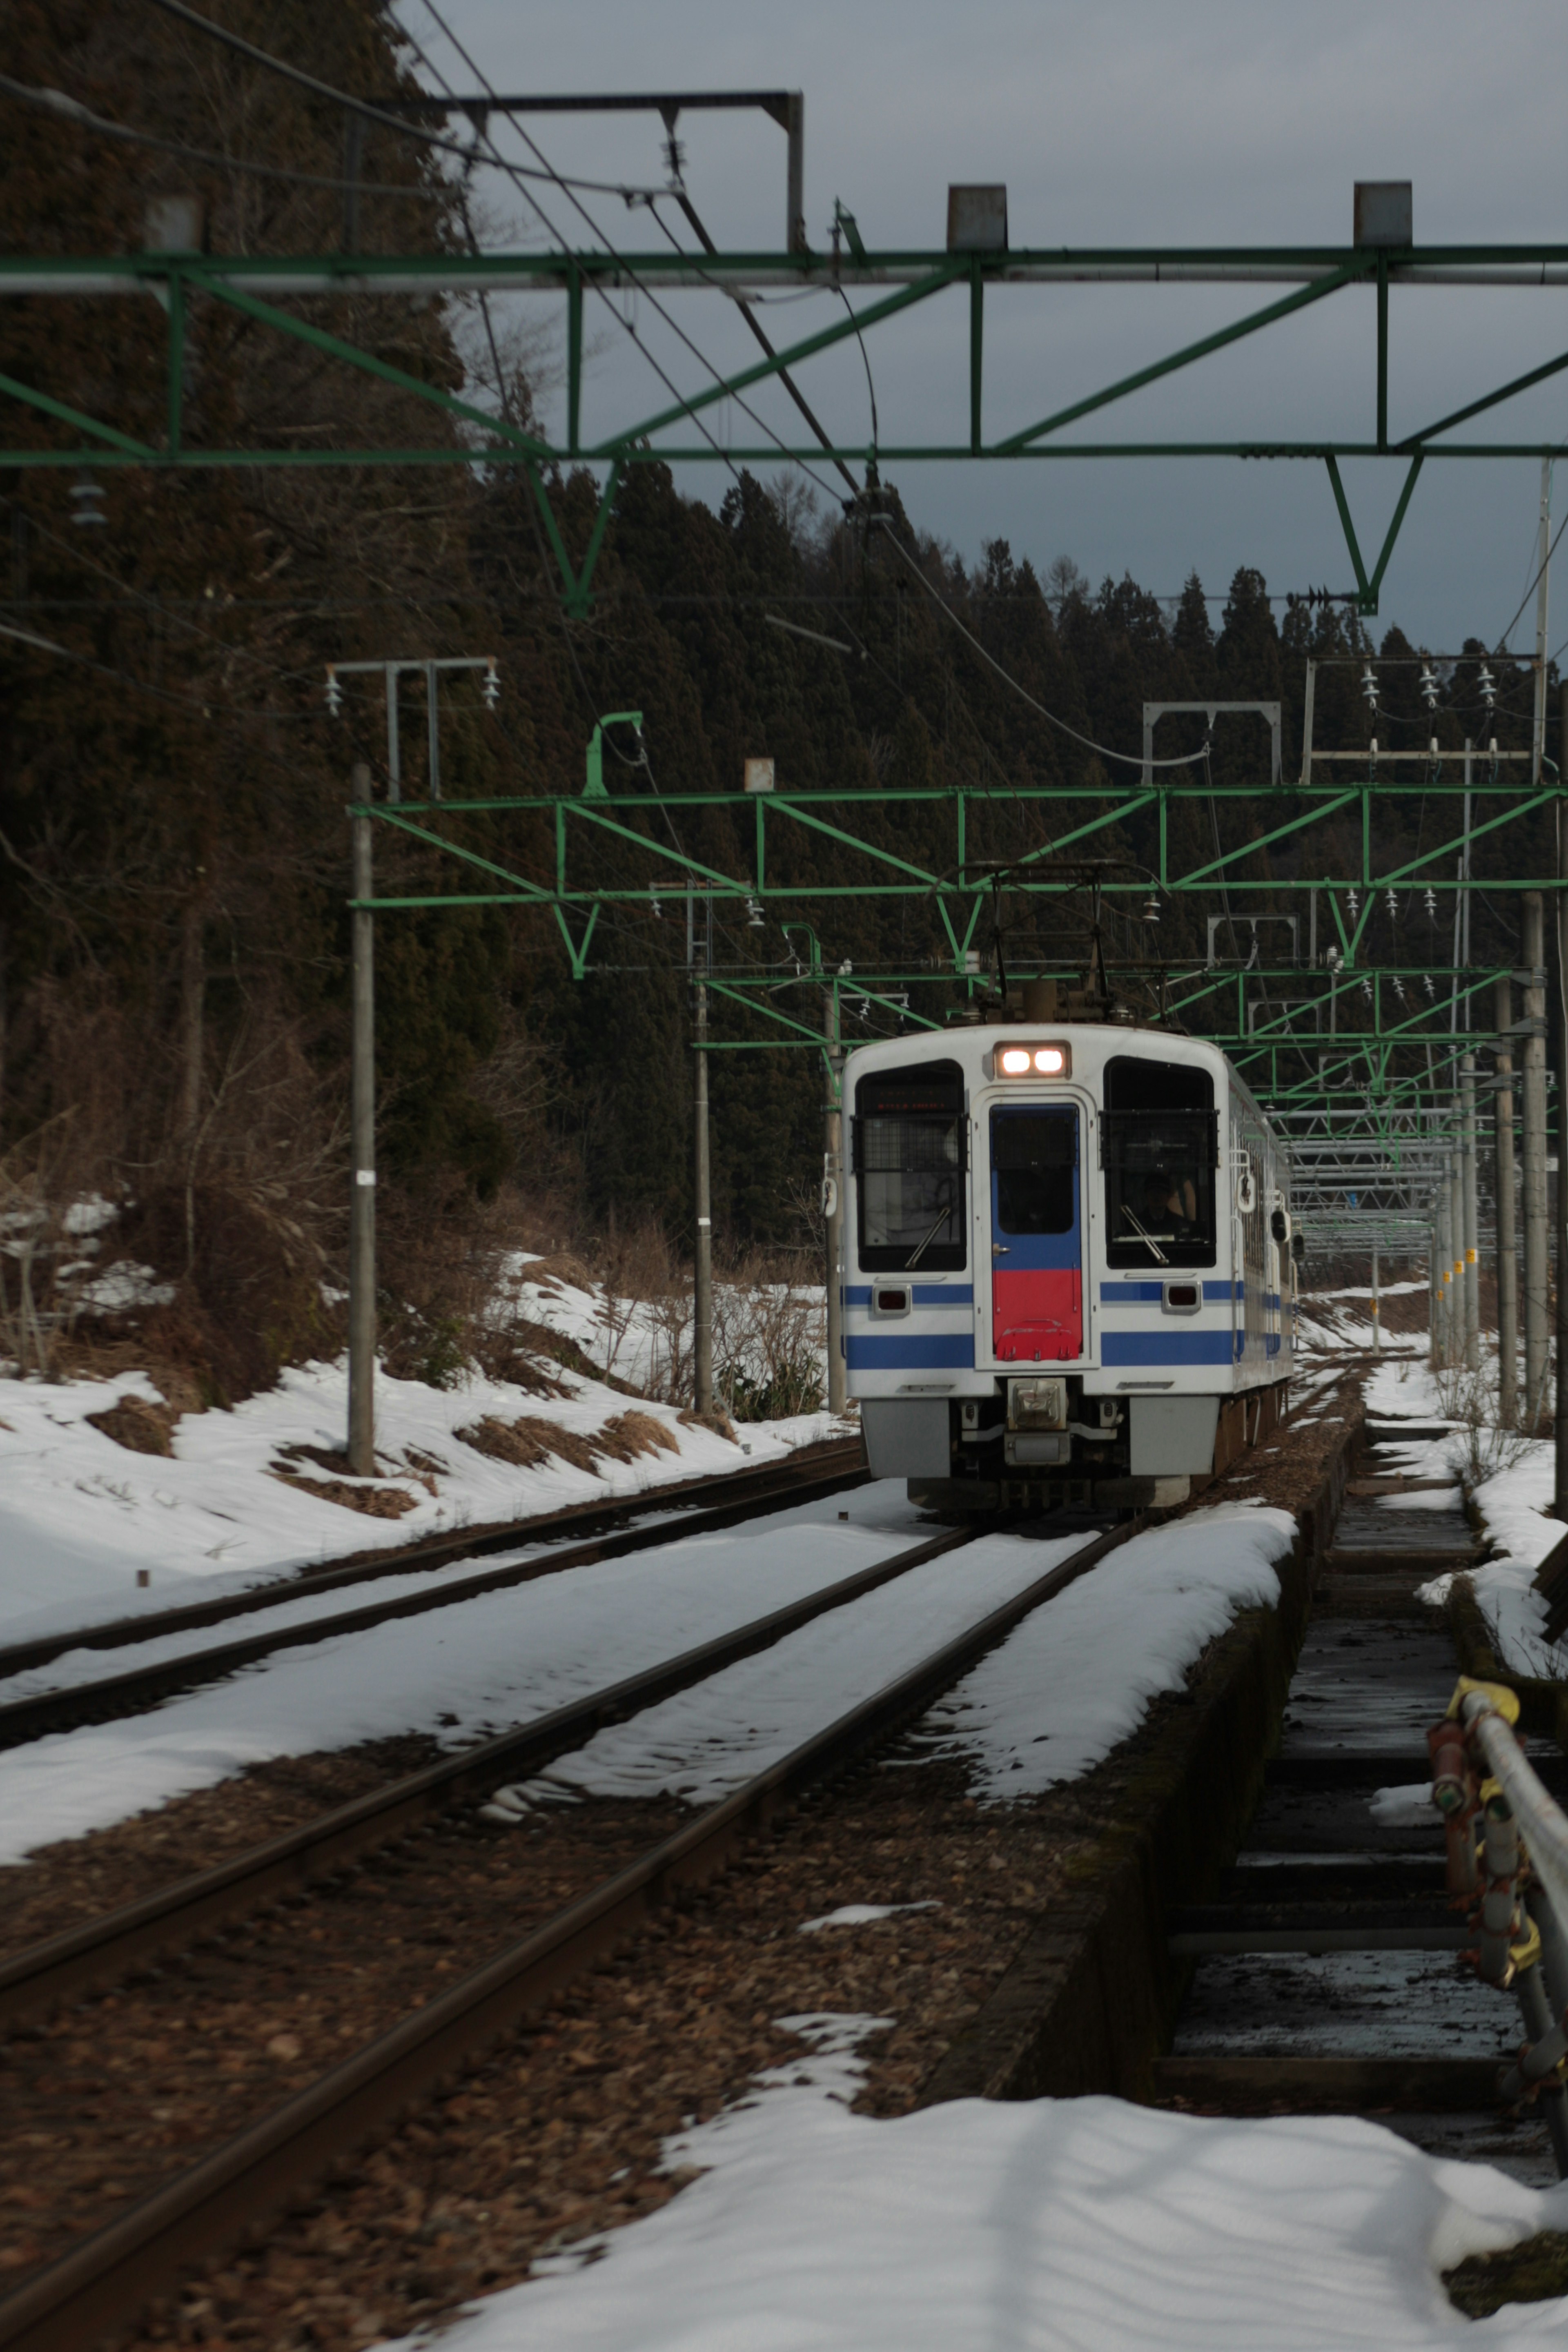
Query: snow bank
[(1078, 2225), (81, 1515), (1088, 1664)]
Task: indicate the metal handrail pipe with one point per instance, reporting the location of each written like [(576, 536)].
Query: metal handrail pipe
[(1541, 1817)]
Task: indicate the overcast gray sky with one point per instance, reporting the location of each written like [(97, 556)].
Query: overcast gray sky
[(1125, 121)]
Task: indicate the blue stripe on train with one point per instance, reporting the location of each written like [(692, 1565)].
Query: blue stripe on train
[(926, 1293), (1133, 1294), (909, 1352), (1166, 1348)]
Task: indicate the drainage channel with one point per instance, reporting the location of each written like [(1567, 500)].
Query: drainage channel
[(1329, 1975)]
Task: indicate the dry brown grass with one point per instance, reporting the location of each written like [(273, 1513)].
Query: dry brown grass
[(375, 1502), (630, 1434), (140, 1426), (529, 1442)]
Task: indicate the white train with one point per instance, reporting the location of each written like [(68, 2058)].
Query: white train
[(1070, 1267)]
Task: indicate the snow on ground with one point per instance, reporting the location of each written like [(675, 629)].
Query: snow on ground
[(1512, 1504), (457, 1673), (644, 1340), (1328, 1321), (1080, 2225), (1087, 1665), (81, 1515)]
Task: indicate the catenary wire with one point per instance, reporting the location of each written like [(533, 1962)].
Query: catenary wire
[(1128, 759), (652, 301), (521, 178), (70, 110), (363, 107)]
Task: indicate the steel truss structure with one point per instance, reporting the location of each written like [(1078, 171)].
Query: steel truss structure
[(1359, 1068), (895, 282)]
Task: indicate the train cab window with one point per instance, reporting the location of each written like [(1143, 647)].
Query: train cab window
[(1160, 1149), (1035, 1154), (908, 1149)]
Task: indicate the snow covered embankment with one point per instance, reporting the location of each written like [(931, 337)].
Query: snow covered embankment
[(1512, 1503), (252, 1493), (1046, 2225)]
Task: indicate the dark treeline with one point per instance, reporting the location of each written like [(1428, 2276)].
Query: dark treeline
[(173, 847)]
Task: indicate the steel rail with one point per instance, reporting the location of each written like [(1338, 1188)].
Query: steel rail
[(42, 1975), (111, 1697), (441, 1551), (100, 2281)]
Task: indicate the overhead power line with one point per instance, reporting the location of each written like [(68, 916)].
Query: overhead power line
[(82, 118), (363, 107), (1128, 759)]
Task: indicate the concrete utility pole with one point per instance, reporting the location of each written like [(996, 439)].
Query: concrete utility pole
[(1457, 1257), (362, 1200), (702, 1266), (1440, 1255), (1533, 1091), (1507, 1257), (1560, 926), (1376, 1328), (1470, 1285), (833, 1186)]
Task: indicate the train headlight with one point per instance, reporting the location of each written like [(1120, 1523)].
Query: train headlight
[(1032, 1061)]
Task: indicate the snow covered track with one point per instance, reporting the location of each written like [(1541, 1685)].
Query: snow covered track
[(38, 1979), (98, 2280), (745, 1494)]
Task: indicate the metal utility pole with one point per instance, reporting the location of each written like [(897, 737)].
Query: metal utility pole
[(833, 1202), (1507, 1257), (1533, 1091), (702, 1268), (1470, 1285), (362, 1200)]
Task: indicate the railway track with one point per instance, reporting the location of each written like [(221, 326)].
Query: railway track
[(102, 2277), (1326, 1976), (743, 1495)]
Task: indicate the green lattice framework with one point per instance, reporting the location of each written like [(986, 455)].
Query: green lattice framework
[(1381, 1036), (896, 283), (1396, 1057)]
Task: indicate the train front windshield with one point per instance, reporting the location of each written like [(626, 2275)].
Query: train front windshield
[(1160, 1149), (910, 1157)]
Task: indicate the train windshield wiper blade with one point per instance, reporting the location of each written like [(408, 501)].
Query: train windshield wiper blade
[(931, 1237), (1150, 1238)]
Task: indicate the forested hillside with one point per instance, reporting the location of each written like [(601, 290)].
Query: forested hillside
[(174, 854)]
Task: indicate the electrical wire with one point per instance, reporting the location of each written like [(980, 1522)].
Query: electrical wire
[(1502, 641), (363, 107), (1128, 759), (57, 103), (533, 144)]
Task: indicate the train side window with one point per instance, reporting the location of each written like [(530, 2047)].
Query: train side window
[(910, 1152), (1160, 1150)]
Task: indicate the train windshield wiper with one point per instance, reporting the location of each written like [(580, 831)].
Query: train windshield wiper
[(931, 1237), (1154, 1240)]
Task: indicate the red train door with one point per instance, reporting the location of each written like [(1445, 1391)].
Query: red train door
[(1037, 1235)]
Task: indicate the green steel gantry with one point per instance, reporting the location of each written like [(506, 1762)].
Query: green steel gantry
[(1349, 1045), (896, 282)]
